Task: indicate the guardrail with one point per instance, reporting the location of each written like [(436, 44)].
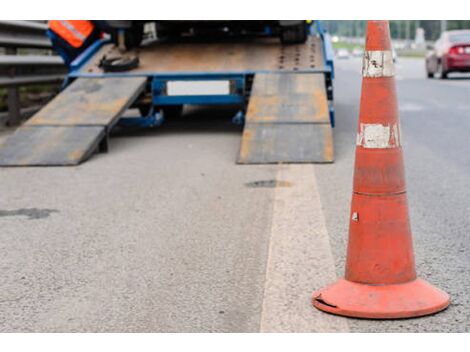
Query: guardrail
[(18, 67)]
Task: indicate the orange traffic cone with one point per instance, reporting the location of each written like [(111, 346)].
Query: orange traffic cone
[(380, 280)]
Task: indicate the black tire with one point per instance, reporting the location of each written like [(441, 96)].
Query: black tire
[(430, 74), (119, 64), (443, 74), (296, 34)]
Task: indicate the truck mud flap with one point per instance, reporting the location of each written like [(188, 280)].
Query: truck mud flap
[(69, 129), (287, 120)]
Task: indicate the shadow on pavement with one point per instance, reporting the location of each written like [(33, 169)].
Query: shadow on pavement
[(195, 119)]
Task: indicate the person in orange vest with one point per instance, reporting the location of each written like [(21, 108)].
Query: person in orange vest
[(71, 37)]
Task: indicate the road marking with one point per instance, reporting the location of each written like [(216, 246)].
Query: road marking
[(300, 259), (412, 106)]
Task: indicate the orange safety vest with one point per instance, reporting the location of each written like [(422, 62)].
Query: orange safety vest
[(74, 32)]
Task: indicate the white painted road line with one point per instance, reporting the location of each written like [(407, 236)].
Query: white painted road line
[(300, 259)]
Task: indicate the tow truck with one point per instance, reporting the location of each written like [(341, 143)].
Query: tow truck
[(278, 73)]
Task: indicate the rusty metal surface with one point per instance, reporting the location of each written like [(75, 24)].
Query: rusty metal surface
[(288, 97), (50, 145), (286, 143), (220, 57), (287, 120), (90, 101)]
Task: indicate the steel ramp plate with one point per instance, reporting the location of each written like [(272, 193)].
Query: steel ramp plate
[(289, 98), (90, 101), (286, 143), (50, 145), (69, 129), (287, 120)]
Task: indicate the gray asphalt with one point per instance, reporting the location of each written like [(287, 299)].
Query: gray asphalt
[(167, 233), (161, 234)]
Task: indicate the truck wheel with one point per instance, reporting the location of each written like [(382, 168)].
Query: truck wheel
[(296, 34), (430, 74)]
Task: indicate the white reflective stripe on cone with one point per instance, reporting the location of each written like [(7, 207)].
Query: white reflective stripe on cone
[(378, 64), (378, 136)]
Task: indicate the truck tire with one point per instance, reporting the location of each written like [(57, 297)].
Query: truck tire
[(296, 34)]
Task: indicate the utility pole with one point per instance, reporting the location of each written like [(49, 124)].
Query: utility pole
[(408, 30), (443, 25)]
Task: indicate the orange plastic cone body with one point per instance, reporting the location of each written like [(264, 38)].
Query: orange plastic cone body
[(380, 280)]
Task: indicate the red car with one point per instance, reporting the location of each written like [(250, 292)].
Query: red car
[(451, 53)]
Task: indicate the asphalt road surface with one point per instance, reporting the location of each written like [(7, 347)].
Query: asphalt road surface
[(165, 233)]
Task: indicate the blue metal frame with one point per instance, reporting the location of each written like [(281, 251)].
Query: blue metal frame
[(331, 111), (328, 53), (159, 96), (159, 81), (83, 58), (153, 119), (77, 73)]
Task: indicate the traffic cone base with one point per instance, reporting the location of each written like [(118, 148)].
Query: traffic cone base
[(412, 299)]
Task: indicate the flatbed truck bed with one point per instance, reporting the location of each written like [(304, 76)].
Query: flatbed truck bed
[(230, 57), (284, 94)]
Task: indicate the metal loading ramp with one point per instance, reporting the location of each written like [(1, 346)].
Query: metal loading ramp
[(287, 120), (73, 125)]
